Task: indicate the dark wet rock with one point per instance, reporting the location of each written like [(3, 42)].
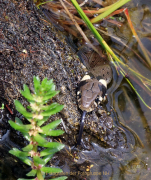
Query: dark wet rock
[(30, 47)]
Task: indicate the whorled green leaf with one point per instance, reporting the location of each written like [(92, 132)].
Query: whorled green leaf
[(18, 153), (49, 96), (48, 152), (52, 106), (38, 160), (47, 85), (60, 178), (57, 132), (32, 172), (44, 82), (49, 92), (21, 155), (19, 127), (52, 111), (50, 89), (51, 170), (36, 81), (51, 125), (42, 141), (28, 148), (26, 93), (44, 92), (29, 107), (44, 136), (20, 108), (45, 88), (39, 123), (40, 175), (26, 135), (56, 145), (19, 105), (47, 158), (18, 121)]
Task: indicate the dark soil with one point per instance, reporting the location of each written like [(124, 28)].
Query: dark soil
[(30, 47)]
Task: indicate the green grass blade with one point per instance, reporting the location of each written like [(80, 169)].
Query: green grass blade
[(115, 6)]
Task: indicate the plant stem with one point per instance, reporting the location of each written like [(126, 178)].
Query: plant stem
[(106, 47), (98, 11), (136, 37), (78, 27), (109, 11), (43, 3), (101, 40), (39, 175)]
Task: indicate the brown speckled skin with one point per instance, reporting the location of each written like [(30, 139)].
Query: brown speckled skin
[(90, 89)]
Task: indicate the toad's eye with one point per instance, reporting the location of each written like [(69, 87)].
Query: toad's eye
[(86, 77), (103, 82), (79, 96)]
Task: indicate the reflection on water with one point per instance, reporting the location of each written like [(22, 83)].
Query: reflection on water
[(136, 163), (106, 166), (130, 109)]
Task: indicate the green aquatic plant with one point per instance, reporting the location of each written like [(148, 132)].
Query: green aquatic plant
[(35, 132), (112, 8), (114, 59), (39, 3)]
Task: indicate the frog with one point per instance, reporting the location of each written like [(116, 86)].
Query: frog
[(97, 65), (89, 90)]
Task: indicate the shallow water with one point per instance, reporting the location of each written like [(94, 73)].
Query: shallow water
[(130, 109)]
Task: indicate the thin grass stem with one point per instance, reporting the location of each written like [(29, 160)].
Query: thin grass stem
[(136, 36), (108, 49), (114, 7)]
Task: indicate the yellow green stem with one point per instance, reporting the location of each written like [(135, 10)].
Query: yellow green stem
[(43, 3), (136, 91), (98, 11), (39, 175), (114, 7)]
